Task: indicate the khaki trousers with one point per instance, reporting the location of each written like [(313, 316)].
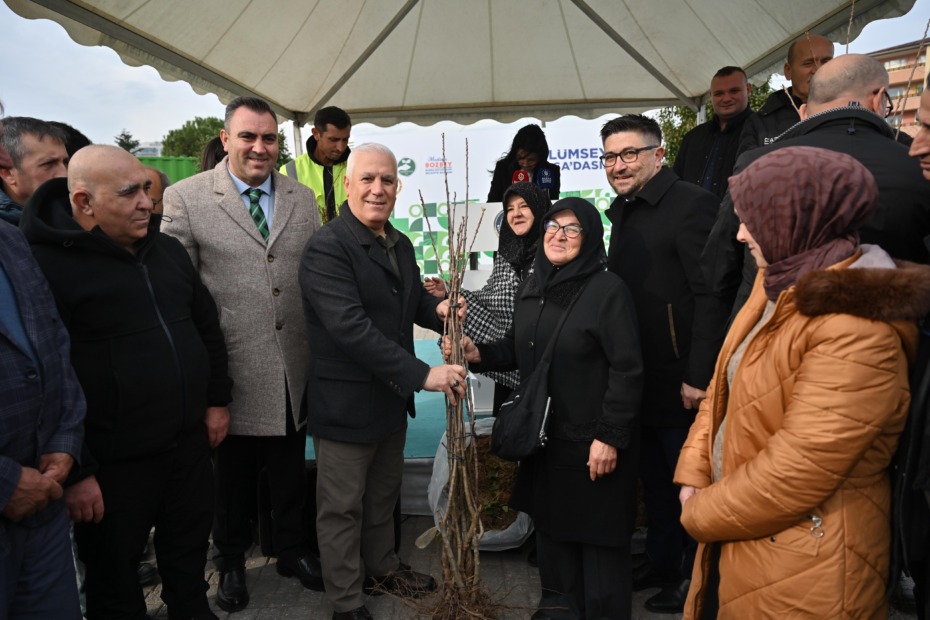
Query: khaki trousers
[(357, 486)]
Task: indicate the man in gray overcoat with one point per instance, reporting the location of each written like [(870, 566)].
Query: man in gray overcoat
[(245, 226), (362, 294)]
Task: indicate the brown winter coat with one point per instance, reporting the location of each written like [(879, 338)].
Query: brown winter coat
[(813, 418)]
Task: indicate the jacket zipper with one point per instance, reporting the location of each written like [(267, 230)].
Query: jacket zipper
[(700, 595), (174, 350)]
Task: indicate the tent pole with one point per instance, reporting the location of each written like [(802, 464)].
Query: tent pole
[(298, 141)]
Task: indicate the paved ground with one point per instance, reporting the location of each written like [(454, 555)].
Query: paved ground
[(514, 582), (506, 574)]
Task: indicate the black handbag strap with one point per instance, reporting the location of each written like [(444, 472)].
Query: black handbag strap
[(547, 354)]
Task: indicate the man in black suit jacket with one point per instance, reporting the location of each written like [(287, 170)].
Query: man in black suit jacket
[(362, 294), (660, 225)]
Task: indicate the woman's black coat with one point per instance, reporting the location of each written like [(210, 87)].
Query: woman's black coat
[(595, 383)]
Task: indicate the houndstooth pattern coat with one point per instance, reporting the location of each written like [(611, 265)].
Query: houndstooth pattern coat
[(490, 312)]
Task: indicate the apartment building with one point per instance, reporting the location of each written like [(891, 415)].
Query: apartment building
[(907, 74)]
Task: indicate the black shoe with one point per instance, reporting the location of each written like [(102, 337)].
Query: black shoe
[(147, 573), (306, 568), (371, 588), (671, 600), (231, 593), (360, 613), (646, 576), (403, 582)]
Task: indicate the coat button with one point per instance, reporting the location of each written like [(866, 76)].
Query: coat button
[(532, 344), (270, 258), (394, 290), (542, 302), (275, 292), (32, 375), (279, 325)]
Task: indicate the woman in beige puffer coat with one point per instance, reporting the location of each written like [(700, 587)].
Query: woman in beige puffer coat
[(784, 473)]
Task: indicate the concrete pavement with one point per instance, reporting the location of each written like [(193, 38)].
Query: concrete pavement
[(507, 574)]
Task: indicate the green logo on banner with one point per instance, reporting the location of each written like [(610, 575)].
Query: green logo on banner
[(406, 166)]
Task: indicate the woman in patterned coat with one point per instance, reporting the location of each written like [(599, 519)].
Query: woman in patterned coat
[(490, 308)]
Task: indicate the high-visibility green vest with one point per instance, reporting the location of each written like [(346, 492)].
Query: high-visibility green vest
[(310, 173)]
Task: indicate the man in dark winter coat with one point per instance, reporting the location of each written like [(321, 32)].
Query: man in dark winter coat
[(780, 110), (911, 510), (845, 113), (660, 225), (708, 151), (42, 414), (362, 294), (149, 353)]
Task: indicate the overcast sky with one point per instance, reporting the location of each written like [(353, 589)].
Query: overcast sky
[(47, 75)]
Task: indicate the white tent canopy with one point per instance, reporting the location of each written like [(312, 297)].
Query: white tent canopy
[(388, 61)]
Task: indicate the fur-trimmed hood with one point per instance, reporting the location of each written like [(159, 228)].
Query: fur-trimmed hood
[(874, 287), (810, 422)]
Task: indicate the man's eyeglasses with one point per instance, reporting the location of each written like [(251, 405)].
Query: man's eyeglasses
[(627, 156), (571, 230), (888, 107), (889, 103)]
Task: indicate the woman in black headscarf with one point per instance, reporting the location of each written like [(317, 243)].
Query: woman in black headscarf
[(490, 308), (581, 488)]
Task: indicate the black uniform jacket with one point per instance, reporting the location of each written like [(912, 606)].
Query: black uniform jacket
[(775, 117)]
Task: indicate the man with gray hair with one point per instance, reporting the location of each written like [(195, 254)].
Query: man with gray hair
[(845, 112), (362, 294), (37, 151)]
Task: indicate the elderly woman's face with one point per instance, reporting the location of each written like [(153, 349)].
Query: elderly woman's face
[(562, 246), (519, 215), (744, 236)]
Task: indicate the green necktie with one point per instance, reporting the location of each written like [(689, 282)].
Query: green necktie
[(258, 216)]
